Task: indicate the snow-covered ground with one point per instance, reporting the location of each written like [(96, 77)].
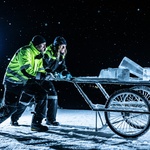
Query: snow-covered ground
[(77, 131)]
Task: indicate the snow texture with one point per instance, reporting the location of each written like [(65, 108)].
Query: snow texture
[(77, 131)]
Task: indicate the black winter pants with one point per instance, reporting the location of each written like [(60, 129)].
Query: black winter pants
[(12, 95)]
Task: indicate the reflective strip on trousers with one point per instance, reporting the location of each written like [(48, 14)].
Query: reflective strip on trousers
[(52, 97)]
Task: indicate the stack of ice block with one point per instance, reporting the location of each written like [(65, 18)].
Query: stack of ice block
[(126, 67)]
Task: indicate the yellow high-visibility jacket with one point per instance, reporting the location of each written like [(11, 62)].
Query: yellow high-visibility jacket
[(24, 65), (50, 62)]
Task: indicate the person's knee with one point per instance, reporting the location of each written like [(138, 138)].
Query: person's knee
[(25, 98)]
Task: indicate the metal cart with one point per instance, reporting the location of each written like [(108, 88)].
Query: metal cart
[(126, 111)]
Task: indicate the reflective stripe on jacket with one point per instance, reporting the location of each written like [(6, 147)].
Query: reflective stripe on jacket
[(24, 65)]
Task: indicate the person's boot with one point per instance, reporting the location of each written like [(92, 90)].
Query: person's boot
[(14, 123), (37, 126), (53, 123)]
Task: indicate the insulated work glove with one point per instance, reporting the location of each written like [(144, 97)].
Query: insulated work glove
[(64, 75), (60, 76), (68, 76)]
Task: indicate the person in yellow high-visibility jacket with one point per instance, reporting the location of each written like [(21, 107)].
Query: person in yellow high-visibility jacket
[(55, 62), (20, 76)]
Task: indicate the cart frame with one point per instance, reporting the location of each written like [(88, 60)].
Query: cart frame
[(98, 107)]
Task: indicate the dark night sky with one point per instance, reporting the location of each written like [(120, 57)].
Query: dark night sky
[(99, 33)]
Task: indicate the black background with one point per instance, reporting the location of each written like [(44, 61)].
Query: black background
[(99, 34)]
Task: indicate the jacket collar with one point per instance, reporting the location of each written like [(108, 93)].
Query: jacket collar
[(33, 47)]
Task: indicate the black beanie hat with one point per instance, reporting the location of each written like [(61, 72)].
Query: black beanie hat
[(59, 40), (38, 39)]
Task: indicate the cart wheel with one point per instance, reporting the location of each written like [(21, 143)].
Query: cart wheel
[(123, 100), (144, 90)]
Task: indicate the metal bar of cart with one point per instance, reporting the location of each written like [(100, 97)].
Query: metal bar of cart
[(98, 107)]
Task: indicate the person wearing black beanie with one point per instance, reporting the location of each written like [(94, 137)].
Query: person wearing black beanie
[(20, 77), (55, 62), (39, 43)]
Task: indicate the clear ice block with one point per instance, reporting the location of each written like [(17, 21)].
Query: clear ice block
[(133, 67), (115, 73), (146, 73)]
